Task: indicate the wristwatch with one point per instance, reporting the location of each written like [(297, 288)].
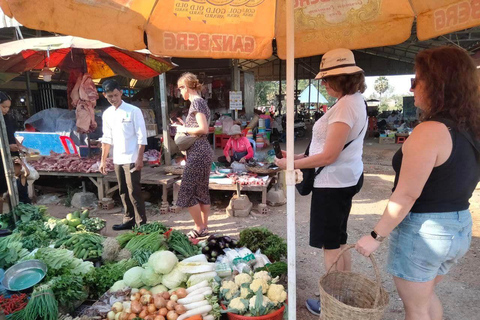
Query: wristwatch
[(376, 236)]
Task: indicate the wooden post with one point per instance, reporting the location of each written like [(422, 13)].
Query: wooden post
[(162, 79), (8, 166), (29, 95)]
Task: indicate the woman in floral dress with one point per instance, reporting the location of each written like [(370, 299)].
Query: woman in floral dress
[(194, 192)]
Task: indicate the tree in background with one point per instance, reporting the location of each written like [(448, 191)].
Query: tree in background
[(266, 92), (381, 85)]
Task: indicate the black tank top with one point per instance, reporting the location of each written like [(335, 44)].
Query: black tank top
[(22, 191), (450, 185)]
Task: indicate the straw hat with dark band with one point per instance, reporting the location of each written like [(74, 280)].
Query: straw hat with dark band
[(337, 62)]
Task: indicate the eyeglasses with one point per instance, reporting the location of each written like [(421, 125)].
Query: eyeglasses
[(413, 83)]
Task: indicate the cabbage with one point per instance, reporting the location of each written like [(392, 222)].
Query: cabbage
[(150, 278), (117, 286), (133, 277), (174, 279), (158, 289), (162, 262)]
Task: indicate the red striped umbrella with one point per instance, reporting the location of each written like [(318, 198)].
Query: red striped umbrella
[(99, 59)]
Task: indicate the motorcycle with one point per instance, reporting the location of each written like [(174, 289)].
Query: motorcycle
[(299, 130)]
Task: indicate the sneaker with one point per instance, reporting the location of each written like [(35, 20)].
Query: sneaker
[(313, 305)]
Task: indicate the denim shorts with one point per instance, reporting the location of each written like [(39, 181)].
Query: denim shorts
[(425, 245)]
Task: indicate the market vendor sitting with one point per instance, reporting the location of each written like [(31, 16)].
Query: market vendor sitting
[(238, 148)]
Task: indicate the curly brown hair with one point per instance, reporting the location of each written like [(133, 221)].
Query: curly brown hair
[(451, 85), (347, 83)]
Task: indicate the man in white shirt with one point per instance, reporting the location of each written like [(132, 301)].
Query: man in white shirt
[(124, 129)]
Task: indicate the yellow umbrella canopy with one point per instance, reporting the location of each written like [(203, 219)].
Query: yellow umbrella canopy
[(244, 28)]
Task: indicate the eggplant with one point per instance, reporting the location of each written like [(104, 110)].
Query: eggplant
[(234, 243), (214, 254), (221, 244), (211, 259), (206, 250), (212, 242), (227, 239)]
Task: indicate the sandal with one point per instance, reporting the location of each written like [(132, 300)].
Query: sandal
[(194, 234)]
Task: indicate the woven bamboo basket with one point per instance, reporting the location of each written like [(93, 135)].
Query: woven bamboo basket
[(173, 169), (262, 170), (349, 295)]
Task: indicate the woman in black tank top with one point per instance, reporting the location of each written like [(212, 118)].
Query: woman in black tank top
[(436, 172)]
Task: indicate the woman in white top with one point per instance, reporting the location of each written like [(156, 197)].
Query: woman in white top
[(342, 176)]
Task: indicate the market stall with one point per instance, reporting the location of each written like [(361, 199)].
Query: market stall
[(62, 269)]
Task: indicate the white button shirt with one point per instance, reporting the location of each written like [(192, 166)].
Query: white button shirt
[(124, 129)]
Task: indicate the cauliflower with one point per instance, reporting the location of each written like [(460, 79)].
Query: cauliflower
[(245, 292), (277, 293), (253, 301), (238, 304), (257, 283), (262, 275), (242, 278), (228, 289)]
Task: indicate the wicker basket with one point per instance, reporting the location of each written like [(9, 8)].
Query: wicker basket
[(173, 169), (275, 315), (349, 295), (262, 170)]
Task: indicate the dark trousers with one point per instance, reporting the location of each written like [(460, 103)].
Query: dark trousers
[(236, 157), (130, 191)]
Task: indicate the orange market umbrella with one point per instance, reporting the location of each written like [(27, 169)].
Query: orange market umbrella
[(100, 60), (244, 29)]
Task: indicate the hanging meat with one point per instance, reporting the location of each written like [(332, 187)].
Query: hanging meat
[(84, 98)]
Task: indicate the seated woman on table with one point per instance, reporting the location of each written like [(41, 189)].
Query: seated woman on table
[(238, 148)]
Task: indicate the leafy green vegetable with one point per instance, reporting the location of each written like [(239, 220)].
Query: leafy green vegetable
[(273, 246), (276, 269), (147, 242), (34, 234), (151, 227), (123, 238), (181, 245), (61, 262), (99, 280), (68, 290), (6, 221), (11, 250), (27, 212), (85, 245)]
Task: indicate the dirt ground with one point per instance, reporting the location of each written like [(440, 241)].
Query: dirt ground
[(459, 291)]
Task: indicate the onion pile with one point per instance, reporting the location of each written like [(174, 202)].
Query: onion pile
[(145, 305)]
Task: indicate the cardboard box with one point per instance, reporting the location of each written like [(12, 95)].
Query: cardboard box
[(386, 140)]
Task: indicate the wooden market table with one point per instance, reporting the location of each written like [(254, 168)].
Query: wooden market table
[(231, 187), (154, 176), (96, 177)]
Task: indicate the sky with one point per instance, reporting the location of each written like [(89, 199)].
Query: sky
[(401, 84)]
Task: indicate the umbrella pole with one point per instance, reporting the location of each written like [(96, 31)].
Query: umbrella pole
[(290, 175)]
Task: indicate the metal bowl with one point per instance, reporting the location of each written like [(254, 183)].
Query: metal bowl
[(24, 275)]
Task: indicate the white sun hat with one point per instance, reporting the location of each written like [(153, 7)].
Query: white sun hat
[(337, 62)]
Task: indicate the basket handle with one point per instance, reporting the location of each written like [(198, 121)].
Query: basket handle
[(375, 268)]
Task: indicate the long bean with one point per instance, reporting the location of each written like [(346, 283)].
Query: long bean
[(42, 305)]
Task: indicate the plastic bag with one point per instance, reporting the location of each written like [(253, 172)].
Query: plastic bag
[(238, 167), (227, 124), (33, 173), (261, 260)]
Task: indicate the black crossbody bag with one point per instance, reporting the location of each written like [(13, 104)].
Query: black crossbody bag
[(309, 175)]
